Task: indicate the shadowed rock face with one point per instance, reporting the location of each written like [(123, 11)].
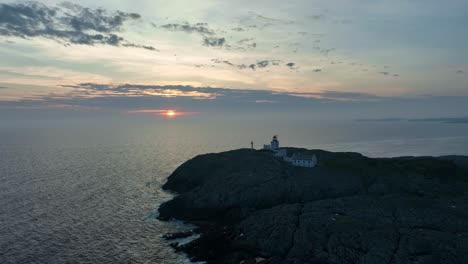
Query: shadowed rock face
[(254, 207)]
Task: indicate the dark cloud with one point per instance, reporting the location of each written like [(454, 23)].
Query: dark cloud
[(238, 29), (69, 23), (275, 62), (326, 52), (209, 36), (460, 71), (173, 91), (340, 96), (253, 45), (317, 70), (213, 41), (263, 64), (3, 87), (212, 100), (199, 28), (253, 66), (389, 74), (291, 65), (242, 41), (140, 46), (223, 61), (242, 44)]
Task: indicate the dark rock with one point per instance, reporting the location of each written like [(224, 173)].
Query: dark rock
[(255, 208)]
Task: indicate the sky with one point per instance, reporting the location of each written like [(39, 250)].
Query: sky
[(337, 58)]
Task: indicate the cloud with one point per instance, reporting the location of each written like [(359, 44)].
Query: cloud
[(98, 90), (389, 74), (210, 38), (292, 65), (317, 70), (460, 71), (253, 45), (341, 96), (213, 41), (223, 61), (238, 29), (110, 98), (242, 41), (174, 91), (131, 90), (67, 23), (326, 52), (199, 28), (253, 66), (263, 64)]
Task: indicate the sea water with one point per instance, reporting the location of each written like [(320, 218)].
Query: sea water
[(87, 190)]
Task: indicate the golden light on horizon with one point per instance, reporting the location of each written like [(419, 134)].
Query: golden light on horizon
[(170, 113)]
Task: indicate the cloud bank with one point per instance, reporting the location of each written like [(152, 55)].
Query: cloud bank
[(67, 23)]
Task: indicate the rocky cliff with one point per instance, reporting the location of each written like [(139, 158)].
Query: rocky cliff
[(253, 207)]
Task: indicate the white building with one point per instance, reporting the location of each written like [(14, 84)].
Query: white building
[(297, 159), (302, 160)]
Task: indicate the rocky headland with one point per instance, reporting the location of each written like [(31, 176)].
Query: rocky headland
[(253, 207)]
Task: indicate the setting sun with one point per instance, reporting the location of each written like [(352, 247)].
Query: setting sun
[(170, 113)]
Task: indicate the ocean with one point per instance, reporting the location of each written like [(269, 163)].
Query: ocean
[(86, 190)]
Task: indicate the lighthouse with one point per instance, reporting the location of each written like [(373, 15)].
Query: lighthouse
[(297, 159), (274, 143)]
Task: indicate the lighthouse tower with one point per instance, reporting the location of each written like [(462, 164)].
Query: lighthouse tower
[(274, 143)]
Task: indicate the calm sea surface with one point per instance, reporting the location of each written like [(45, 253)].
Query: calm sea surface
[(87, 191)]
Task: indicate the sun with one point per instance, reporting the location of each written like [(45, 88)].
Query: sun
[(170, 113)]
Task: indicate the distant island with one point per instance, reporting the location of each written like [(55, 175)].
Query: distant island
[(252, 206)]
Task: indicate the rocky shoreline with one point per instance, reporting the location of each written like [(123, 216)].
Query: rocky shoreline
[(252, 207)]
